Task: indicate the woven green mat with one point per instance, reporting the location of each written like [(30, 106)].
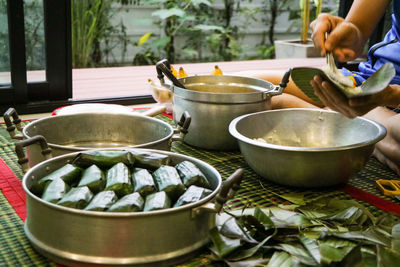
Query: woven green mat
[(15, 249)]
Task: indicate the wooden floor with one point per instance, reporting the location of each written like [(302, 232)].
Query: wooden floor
[(128, 81)]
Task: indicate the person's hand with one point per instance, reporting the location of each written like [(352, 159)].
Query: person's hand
[(345, 40), (357, 106), (332, 98), (387, 151)]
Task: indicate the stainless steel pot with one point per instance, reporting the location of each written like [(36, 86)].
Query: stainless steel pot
[(213, 101), (83, 131), (76, 237)]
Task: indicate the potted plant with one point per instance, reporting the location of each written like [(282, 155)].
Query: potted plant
[(303, 47)]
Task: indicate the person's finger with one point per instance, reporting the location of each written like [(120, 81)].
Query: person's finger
[(338, 99), (325, 98), (319, 27), (344, 54)]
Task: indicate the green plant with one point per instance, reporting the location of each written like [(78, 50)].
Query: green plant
[(93, 35), (203, 28), (4, 48), (305, 17), (270, 11), (172, 17), (34, 35)]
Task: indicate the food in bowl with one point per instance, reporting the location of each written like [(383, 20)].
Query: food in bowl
[(312, 147), (121, 181)]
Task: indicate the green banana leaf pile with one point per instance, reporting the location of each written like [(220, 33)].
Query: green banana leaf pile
[(321, 232)]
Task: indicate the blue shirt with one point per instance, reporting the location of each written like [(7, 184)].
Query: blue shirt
[(386, 51)]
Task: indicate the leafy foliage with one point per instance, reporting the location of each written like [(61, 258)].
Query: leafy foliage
[(320, 232), (92, 29), (202, 28)]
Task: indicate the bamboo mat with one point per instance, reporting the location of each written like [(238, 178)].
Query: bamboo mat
[(15, 249)]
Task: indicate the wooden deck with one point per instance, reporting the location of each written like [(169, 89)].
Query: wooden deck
[(128, 81)]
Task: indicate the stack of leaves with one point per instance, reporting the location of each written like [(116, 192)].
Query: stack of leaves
[(319, 232)]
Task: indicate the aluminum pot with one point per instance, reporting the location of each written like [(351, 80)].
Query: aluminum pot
[(306, 147), (82, 131), (77, 237), (214, 101)]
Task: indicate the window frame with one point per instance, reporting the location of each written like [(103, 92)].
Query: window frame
[(38, 97)]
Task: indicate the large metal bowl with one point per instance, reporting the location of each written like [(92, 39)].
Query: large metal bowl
[(93, 130), (306, 147), (76, 237)]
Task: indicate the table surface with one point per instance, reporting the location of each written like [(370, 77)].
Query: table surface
[(15, 249)]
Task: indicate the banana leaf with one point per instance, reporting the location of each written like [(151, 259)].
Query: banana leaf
[(118, 180), (319, 233), (157, 201), (298, 252), (102, 201), (311, 244), (387, 221), (387, 257), (232, 229), (334, 250), (103, 159), (396, 237), (360, 257), (247, 253), (192, 195), (143, 182), (283, 218), (77, 198), (263, 218), (257, 261), (68, 173), (222, 245), (129, 203), (280, 259), (167, 179), (94, 178), (55, 190), (149, 160), (295, 198), (192, 177), (370, 235)]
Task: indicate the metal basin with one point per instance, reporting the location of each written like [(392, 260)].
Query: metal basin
[(306, 147), (82, 131), (90, 238)]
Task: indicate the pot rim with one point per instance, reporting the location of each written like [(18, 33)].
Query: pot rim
[(241, 138), (68, 156), (79, 148), (262, 90)]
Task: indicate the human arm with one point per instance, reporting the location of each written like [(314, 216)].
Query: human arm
[(348, 36), (357, 106)]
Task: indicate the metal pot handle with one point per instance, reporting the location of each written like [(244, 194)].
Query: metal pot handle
[(19, 150), (182, 129), (279, 88), (11, 113), (163, 66), (227, 191)]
